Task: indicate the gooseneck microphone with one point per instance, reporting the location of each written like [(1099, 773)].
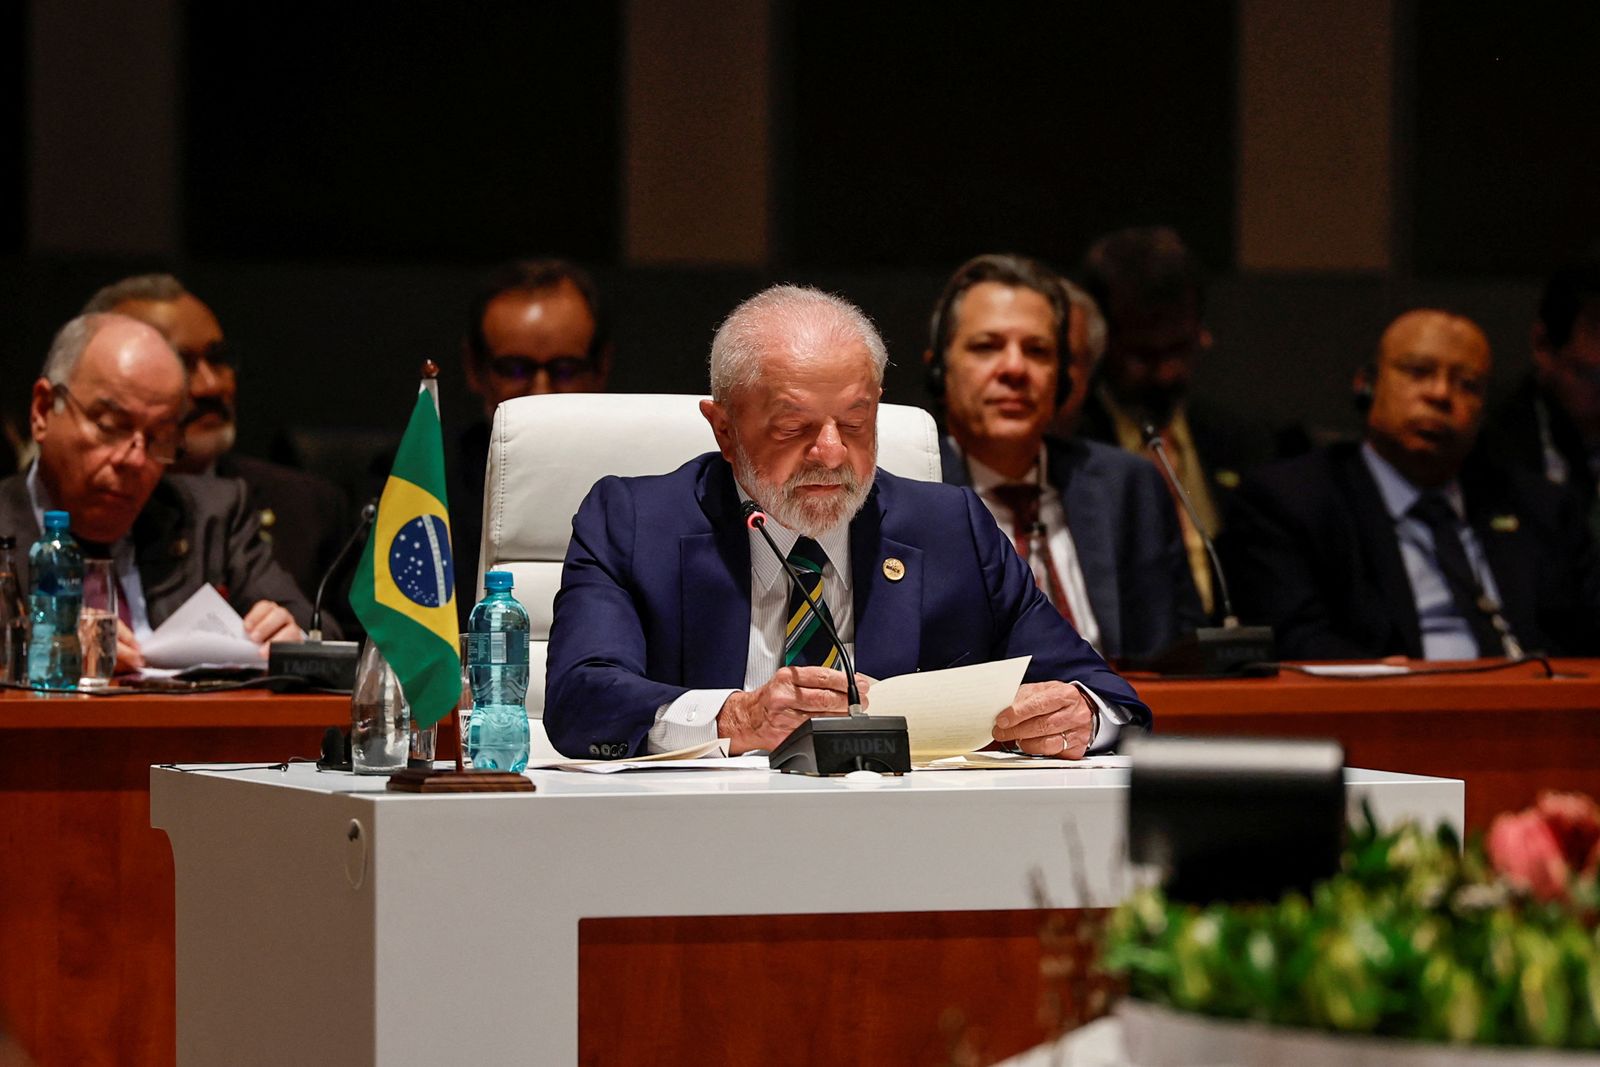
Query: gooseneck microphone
[(1210, 650), (1158, 447), (368, 513), (756, 519), (830, 745)]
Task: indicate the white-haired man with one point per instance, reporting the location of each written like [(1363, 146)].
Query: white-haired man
[(670, 624), (107, 414)]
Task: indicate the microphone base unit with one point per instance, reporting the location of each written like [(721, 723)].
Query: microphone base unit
[(1218, 651), (323, 664), (831, 746)]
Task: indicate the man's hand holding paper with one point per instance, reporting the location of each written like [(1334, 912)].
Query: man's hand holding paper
[(1048, 719)]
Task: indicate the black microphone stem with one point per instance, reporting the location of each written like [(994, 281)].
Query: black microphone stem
[(757, 520), (1152, 441), (368, 513)]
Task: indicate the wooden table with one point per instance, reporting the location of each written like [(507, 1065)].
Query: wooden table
[(86, 897), (1508, 733)]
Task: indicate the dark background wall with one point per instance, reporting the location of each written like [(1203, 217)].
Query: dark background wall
[(344, 174)]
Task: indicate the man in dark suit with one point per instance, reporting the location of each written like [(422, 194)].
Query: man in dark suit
[(1403, 545), (670, 625), (1550, 424), (107, 413), (1095, 523), (303, 518), (1152, 291), (534, 326)]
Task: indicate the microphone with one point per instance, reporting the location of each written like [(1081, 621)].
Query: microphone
[(324, 664), (756, 519), (830, 746), (1210, 650)]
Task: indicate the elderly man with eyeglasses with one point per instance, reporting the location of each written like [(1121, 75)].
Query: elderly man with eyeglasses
[(107, 413)]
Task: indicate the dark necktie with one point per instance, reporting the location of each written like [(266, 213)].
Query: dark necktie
[(1022, 500), (806, 642), (1436, 513)]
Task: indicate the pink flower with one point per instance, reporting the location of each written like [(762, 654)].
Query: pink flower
[(1524, 849), (1574, 819)]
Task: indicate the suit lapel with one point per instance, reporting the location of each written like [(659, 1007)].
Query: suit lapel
[(714, 569), (162, 552), (1512, 561), (1381, 548), (888, 611), (16, 515), (1086, 499)]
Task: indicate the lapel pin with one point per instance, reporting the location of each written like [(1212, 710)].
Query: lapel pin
[(893, 569), (268, 517), (1228, 479), (1504, 524), (180, 547)]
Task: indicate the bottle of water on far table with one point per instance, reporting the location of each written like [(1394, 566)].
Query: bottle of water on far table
[(497, 666), (13, 615), (55, 597)]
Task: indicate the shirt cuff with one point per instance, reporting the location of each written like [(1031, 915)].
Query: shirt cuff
[(1109, 719), (690, 720)]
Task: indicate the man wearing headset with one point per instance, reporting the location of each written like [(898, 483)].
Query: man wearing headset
[(1094, 523), (1411, 542)]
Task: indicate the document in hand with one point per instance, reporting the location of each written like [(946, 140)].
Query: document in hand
[(949, 712), (205, 629)]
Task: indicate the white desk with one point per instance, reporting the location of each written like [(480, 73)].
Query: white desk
[(321, 919)]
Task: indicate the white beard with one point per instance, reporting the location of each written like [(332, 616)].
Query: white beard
[(811, 518), (204, 446)]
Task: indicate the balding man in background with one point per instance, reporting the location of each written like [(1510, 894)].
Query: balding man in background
[(304, 518), (1409, 543), (107, 413)]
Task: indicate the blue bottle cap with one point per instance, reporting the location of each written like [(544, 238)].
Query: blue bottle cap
[(56, 520), (497, 581)]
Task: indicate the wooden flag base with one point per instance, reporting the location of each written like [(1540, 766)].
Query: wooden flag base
[(418, 780)]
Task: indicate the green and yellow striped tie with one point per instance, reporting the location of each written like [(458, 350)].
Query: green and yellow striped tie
[(805, 639)]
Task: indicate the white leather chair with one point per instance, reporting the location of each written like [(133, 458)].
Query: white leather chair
[(546, 452)]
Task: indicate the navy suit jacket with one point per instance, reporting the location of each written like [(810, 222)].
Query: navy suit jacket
[(1312, 551), (655, 600), (1126, 535)]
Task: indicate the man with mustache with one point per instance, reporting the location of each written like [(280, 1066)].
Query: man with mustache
[(669, 627), (1093, 521), (1409, 543), (304, 518), (107, 414)]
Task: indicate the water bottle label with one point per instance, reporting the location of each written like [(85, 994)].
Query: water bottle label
[(495, 649)]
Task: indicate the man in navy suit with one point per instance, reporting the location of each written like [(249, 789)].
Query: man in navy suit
[(674, 624), (1095, 523), (1410, 543)]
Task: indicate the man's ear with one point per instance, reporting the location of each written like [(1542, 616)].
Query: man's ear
[(469, 364), (42, 402), (721, 426)]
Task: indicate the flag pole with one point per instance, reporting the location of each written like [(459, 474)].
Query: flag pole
[(430, 382)]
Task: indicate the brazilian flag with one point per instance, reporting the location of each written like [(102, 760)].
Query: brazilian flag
[(404, 591)]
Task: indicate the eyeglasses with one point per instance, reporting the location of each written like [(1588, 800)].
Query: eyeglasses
[(113, 429), (219, 354), (1420, 371), (563, 370)]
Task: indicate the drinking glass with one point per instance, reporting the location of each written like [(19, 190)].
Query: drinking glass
[(380, 718), (97, 624)]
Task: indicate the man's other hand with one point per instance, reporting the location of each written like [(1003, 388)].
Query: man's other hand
[(130, 657), (267, 621), (1048, 719), (763, 717)]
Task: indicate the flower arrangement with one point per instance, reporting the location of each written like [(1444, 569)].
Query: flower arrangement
[(1415, 937)]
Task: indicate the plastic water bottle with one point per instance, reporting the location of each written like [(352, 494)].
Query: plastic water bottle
[(13, 615), (497, 666), (55, 597)]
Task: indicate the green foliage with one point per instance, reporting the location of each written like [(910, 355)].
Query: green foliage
[(1415, 937)]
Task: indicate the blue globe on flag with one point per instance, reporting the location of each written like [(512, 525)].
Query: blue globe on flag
[(419, 560)]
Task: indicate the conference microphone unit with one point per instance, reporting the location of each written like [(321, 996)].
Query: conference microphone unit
[(1229, 649), (826, 746), (323, 664)]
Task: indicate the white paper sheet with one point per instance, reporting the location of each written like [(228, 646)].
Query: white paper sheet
[(952, 711), (1354, 670), (205, 629)]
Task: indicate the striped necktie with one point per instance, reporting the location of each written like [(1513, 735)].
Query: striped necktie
[(806, 642)]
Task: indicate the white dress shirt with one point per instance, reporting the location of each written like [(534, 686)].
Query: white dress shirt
[(1053, 513)]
